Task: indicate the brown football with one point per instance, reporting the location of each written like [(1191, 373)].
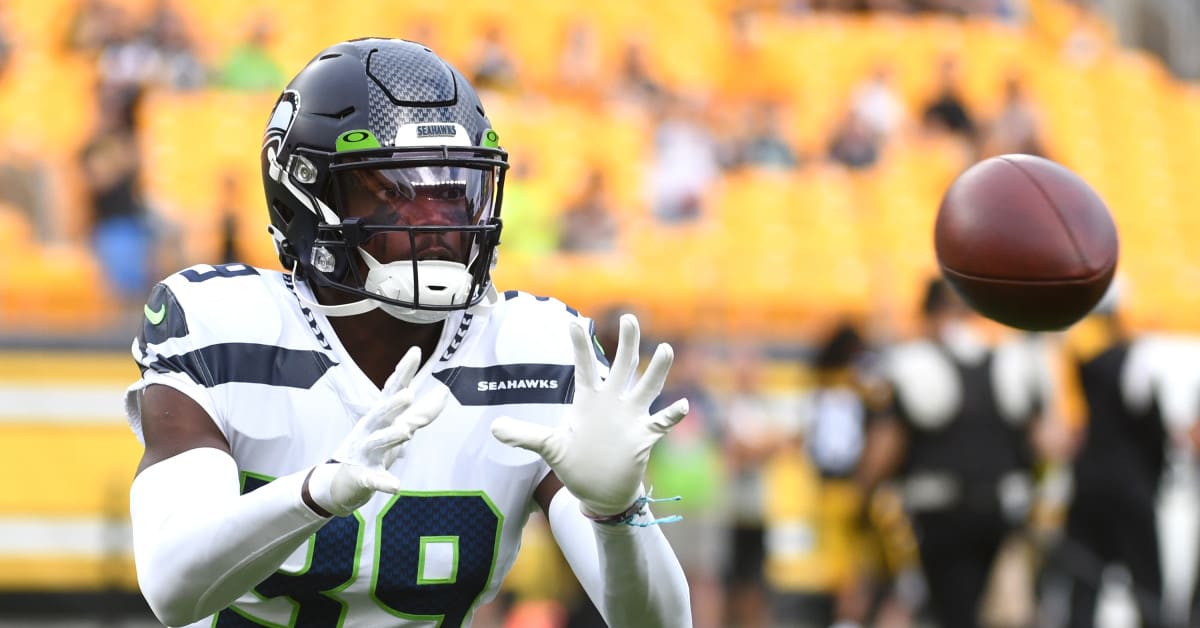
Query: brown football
[(1026, 242)]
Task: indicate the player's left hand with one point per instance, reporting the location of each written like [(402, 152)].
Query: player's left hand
[(359, 467), (600, 450)]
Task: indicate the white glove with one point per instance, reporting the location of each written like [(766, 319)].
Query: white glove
[(362, 460), (601, 448)]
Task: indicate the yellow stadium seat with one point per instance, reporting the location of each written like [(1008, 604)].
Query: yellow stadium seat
[(774, 250), (55, 289)]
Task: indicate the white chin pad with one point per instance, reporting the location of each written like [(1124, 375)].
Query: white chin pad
[(442, 283)]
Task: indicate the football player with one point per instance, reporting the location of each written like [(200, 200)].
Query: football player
[(332, 446), (959, 439)]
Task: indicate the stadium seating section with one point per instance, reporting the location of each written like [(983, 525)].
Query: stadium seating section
[(776, 254)]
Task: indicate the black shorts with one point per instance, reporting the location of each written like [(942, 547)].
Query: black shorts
[(746, 556)]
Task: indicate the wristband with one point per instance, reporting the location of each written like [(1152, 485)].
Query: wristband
[(630, 515), (307, 497), (635, 509)]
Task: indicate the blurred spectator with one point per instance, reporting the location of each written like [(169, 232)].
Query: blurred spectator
[(119, 222), (127, 65), (1010, 11), (744, 37), (1118, 469), (118, 104), (250, 66), (877, 104), (755, 431), (229, 208), (1085, 42), (958, 8), (127, 56), (828, 5), (1017, 128), (947, 112), (160, 14), (492, 66), (960, 437), (93, 25), (589, 223), (579, 63), (686, 161), (25, 185), (159, 55), (762, 144), (636, 85), (837, 406), (890, 6), (853, 144), (6, 40), (177, 65), (1002, 9), (687, 462), (813, 561)]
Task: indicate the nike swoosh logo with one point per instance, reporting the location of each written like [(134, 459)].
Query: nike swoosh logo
[(153, 316)]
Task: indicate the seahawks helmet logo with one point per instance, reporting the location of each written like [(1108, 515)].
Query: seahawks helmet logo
[(282, 117)]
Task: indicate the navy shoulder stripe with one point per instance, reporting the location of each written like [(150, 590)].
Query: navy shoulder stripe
[(162, 318), (512, 294), (510, 383), (248, 363)]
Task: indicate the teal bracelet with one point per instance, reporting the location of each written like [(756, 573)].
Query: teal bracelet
[(629, 516)]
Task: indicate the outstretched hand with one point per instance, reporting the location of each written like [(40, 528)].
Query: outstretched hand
[(600, 450), (360, 463)]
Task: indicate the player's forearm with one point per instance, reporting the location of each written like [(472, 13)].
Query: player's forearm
[(644, 584), (199, 544), (631, 573)]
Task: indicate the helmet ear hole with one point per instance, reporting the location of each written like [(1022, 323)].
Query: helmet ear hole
[(281, 215), (282, 211)]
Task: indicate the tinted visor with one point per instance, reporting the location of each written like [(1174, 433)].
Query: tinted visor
[(416, 195), (434, 210)]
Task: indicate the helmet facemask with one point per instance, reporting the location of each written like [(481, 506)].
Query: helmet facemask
[(414, 230)]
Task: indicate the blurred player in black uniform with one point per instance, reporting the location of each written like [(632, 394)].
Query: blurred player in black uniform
[(959, 439), (1117, 470)]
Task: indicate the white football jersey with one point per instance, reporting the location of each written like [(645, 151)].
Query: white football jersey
[(273, 376)]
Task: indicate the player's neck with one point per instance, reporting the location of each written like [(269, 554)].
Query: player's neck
[(376, 341)]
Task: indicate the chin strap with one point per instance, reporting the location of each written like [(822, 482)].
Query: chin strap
[(490, 298), (363, 306), (342, 309), (443, 283)]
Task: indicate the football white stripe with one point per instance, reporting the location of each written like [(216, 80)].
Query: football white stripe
[(92, 536), (58, 404)]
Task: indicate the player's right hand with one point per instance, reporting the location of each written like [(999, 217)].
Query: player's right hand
[(359, 467)]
